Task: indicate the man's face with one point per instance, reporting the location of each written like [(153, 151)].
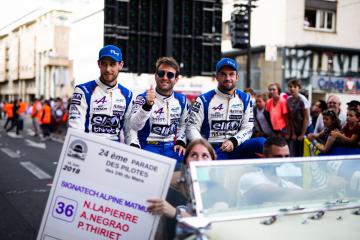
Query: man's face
[(165, 78), (279, 152), (109, 70), (227, 79), (334, 104)]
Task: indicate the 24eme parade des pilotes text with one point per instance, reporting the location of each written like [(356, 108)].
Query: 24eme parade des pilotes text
[(122, 166), (96, 219)]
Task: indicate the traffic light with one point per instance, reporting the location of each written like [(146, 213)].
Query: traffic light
[(240, 30)]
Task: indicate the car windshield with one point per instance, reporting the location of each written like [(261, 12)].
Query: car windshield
[(264, 187)]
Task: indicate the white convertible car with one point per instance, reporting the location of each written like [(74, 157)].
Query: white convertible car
[(280, 199)]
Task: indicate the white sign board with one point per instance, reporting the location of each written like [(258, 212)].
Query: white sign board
[(270, 53), (100, 190)]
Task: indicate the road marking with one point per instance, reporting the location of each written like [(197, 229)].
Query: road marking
[(10, 152), (59, 140), (35, 144), (27, 191), (40, 174), (30, 131), (13, 135)]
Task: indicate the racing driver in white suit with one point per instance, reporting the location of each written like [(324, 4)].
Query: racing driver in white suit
[(224, 117), (101, 106)]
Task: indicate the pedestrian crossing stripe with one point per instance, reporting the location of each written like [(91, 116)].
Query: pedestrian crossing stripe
[(40, 174)]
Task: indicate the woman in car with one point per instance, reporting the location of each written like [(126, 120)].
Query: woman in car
[(178, 200)]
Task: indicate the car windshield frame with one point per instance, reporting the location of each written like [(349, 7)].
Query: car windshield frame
[(313, 198)]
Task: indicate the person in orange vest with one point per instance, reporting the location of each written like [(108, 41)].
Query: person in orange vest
[(46, 119), (15, 119), (36, 116), (8, 109), (22, 111)]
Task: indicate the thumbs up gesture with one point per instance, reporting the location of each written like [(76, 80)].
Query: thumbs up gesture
[(150, 96)]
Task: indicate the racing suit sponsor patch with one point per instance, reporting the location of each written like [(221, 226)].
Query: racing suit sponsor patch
[(75, 102), (118, 113), (74, 111), (235, 117), (77, 96), (217, 115), (175, 109), (140, 100), (101, 108), (104, 123), (101, 100), (236, 111), (164, 130), (196, 107), (226, 125), (217, 134), (118, 107)]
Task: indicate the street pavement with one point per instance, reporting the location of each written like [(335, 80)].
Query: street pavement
[(27, 166)]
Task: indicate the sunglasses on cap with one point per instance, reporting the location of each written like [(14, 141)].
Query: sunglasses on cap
[(169, 75)]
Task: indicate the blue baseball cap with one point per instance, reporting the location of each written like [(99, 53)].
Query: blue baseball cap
[(226, 62), (111, 51)]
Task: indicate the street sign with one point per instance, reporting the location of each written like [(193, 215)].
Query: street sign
[(100, 190)]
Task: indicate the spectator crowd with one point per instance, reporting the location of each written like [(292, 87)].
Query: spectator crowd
[(48, 116)]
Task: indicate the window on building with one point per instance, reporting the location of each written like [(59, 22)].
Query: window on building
[(320, 15), (319, 19)]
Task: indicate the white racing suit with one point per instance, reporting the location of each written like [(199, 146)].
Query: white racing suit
[(101, 110), (218, 117), (161, 126)]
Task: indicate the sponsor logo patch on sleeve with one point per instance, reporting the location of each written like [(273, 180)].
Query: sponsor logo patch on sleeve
[(140, 100), (76, 98), (196, 107)]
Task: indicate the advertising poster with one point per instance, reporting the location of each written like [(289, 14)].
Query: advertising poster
[(100, 190)]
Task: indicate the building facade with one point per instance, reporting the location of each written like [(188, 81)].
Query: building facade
[(34, 57), (317, 41)]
